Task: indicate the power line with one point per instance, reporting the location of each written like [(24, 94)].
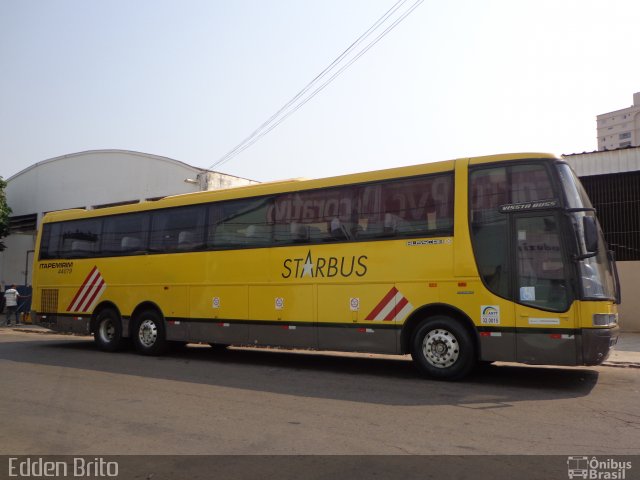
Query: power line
[(318, 77), (251, 141), (273, 121)]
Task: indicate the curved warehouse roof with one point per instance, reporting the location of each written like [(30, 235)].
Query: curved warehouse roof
[(102, 177), (106, 152)]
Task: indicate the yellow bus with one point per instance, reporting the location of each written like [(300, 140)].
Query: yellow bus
[(460, 262)]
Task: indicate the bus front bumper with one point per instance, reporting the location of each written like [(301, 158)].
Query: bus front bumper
[(597, 344)]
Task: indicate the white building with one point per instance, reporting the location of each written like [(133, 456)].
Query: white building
[(91, 179), (621, 128)]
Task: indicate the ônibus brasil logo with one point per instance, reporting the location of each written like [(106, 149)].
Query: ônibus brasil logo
[(596, 469)]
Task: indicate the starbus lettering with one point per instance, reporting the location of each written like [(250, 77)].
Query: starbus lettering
[(325, 267)]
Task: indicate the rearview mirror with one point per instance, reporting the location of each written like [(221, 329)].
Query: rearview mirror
[(590, 228)]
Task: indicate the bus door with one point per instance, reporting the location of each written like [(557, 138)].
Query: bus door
[(545, 323)]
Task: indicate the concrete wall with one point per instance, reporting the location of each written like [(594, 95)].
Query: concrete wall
[(629, 310), (15, 261)]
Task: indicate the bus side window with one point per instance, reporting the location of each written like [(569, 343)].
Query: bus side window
[(338, 230), (406, 208), (125, 234), (130, 244), (299, 233), (80, 238), (81, 247), (227, 237), (187, 240), (178, 230), (50, 240), (258, 234)]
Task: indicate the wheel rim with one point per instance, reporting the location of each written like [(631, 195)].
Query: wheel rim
[(148, 333), (107, 330), (440, 348)]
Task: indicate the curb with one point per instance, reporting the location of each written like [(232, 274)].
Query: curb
[(616, 364), (42, 331)]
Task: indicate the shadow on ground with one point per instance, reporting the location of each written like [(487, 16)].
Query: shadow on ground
[(311, 374)]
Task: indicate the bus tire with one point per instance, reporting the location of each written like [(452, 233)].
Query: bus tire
[(442, 348), (108, 331), (149, 335), (218, 347)]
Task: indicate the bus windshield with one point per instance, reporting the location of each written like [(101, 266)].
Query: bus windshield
[(596, 272)]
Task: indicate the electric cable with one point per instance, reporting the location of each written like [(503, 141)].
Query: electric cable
[(336, 61), (273, 121)]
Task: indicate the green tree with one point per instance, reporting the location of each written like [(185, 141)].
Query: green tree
[(5, 211)]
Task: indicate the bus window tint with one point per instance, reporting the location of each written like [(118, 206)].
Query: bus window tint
[(178, 229), (416, 207), (529, 183), (239, 223), (80, 238), (489, 229), (541, 276), (50, 241), (489, 189), (397, 208), (313, 216), (125, 234)]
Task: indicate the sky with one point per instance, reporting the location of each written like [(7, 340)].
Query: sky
[(190, 79)]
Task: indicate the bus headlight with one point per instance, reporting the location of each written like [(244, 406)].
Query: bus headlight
[(605, 319)]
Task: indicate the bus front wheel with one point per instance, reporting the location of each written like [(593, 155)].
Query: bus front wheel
[(108, 331), (442, 348), (149, 334)]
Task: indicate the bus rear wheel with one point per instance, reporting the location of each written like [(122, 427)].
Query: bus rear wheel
[(442, 348), (108, 331), (149, 333)]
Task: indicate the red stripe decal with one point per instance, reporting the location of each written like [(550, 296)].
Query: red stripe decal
[(98, 286), (88, 291), (399, 306), (81, 288), (383, 303)]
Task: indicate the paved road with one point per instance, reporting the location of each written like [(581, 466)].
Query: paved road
[(59, 395)]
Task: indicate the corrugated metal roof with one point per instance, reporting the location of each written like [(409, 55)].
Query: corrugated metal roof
[(604, 162)]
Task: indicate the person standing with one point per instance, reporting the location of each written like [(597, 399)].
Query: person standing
[(11, 297)]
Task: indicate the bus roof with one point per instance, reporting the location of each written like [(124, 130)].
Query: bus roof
[(284, 186)]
